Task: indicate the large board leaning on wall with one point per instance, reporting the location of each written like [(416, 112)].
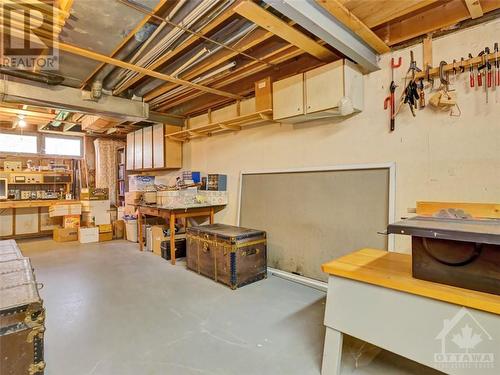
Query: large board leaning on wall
[(312, 217)]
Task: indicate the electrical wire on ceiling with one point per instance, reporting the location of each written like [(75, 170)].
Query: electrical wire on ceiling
[(149, 12)]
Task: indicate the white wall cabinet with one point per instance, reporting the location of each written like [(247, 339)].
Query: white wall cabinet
[(138, 149), (130, 151), (149, 149), (158, 146), (317, 93)]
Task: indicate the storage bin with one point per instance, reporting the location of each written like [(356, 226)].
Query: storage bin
[(131, 229)]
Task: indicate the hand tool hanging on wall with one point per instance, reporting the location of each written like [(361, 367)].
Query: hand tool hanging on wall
[(488, 68), (471, 72), (421, 100), (479, 70), (497, 66), (389, 101), (411, 94)]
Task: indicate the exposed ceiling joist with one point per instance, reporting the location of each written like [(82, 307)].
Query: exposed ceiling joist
[(474, 7), (125, 40), (148, 72), (336, 9), (270, 22), (426, 21), (315, 19), (375, 13)]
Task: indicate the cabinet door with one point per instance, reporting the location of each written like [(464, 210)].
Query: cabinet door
[(173, 149), (147, 147), (138, 149), (158, 146), (324, 87), (130, 151), (288, 97)]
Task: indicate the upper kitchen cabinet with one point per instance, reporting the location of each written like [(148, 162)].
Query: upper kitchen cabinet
[(331, 90), (149, 149)]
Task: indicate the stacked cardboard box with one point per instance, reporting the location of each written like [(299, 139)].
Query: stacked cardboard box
[(63, 209), (95, 212), (88, 234), (65, 234), (71, 221), (105, 232)]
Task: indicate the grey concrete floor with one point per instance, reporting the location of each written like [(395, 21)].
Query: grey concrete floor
[(112, 310)]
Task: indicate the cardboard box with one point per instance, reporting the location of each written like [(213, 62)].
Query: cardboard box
[(105, 236), (71, 221), (65, 234), (129, 210), (157, 233), (133, 197), (88, 234), (96, 212), (94, 194), (119, 229), (63, 209), (105, 228)]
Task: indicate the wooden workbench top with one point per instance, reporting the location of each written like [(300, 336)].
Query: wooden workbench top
[(393, 270), (35, 203)]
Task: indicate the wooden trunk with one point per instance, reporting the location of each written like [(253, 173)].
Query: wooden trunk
[(230, 255), (22, 319), (464, 264)]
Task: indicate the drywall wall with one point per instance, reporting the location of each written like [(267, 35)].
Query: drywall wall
[(438, 157)]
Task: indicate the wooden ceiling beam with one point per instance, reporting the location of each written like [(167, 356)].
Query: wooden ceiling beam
[(429, 20), (375, 13), (275, 25), (180, 48), (474, 7), (24, 112), (75, 50), (337, 10), (125, 40)]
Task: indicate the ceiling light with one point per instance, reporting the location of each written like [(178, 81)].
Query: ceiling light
[(21, 123)]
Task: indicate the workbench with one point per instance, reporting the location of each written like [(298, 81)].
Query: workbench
[(28, 218), (170, 214), (373, 296)]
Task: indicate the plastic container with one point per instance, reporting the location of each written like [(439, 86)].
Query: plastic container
[(131, 229)]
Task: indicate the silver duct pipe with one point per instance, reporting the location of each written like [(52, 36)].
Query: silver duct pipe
[(48, 79), (199, 13), (182, 89), (130, 47), (183, 11), (236, 30)]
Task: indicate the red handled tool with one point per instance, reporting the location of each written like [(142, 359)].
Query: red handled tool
[(497, 66), (389, 101), (471, 73)]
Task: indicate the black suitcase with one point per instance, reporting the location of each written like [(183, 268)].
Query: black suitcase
[(180, 248)]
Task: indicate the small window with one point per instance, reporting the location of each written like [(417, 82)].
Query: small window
[(63, 146), (18, 143)]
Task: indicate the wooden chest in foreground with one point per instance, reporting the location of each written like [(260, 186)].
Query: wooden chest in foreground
[(22, 315), (231, 255)]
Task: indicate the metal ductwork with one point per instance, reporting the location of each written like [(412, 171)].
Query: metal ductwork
[(105, 75), (315, 19), (48, 79), (70, 99)]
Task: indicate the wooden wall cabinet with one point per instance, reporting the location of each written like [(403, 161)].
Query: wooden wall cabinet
[(316, 93), (149, 149)]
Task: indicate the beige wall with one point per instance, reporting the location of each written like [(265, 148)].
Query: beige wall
[(437, 157)]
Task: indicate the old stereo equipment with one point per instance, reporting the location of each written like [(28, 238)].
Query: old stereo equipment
[(13, 166), (59, 167), (65, 178), (25, 178)]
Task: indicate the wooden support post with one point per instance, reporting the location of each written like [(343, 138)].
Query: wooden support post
[(172, 237), (427, 45)]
